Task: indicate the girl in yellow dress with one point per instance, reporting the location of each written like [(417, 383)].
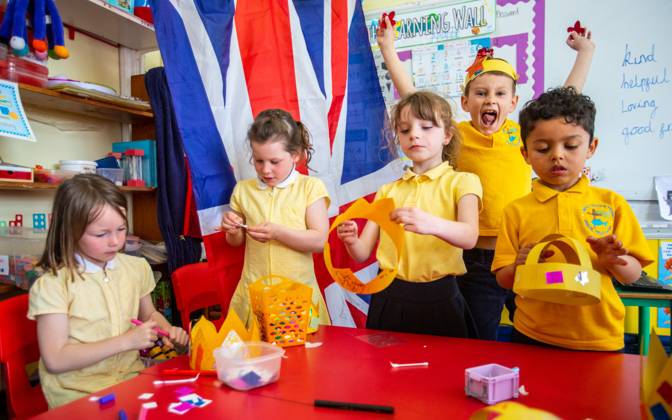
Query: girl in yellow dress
[(281, 215)]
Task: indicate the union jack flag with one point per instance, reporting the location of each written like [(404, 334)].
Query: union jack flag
[(226, 61)]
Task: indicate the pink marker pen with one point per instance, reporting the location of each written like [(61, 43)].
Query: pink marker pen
[(158, 330)]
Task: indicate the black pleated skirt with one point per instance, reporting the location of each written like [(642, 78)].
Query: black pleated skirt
[(435, 308)]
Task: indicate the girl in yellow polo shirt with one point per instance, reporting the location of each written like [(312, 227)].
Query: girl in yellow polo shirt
[(85, 301), (438, 208), (490, 149), (281, 215)]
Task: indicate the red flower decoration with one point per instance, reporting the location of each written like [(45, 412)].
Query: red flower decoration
[(477, 66), (390, 15), (577, 28), (485, 52)]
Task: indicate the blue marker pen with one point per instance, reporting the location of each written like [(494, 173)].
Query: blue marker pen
[(106, 399)]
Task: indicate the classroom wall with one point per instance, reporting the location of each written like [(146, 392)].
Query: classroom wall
[(63, 135)]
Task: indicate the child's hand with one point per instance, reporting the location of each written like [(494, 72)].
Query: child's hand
[(348, 232), (385, 36), (608, 250), (176, 335), (525, 251), (264, 232), (141, 337), (232, 223), (579, 42), (413, 219)]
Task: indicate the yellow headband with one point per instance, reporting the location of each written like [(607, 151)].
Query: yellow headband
[(485, 63)]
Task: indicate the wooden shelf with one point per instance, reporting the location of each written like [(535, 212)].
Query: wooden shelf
[(51, 100), (99, 19), (32, 186)]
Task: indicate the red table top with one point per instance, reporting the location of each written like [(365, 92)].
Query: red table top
[(353, 365)]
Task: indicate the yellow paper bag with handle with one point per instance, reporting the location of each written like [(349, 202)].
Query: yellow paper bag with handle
[(573, 282)]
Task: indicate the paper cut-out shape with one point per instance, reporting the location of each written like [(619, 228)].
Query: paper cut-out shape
[(577, 28), (582, 278), (665, 391), (378, 212), (553, 277), (656, 382), (543, 280), (390, 16)]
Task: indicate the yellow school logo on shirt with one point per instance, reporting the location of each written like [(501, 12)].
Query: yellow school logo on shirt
[(512, 136), (598, 218)]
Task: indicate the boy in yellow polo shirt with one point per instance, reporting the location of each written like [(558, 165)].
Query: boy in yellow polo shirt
[(557, 132), (490, 149)]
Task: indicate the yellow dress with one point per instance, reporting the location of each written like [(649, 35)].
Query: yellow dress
[(284, 204), (99, 306)]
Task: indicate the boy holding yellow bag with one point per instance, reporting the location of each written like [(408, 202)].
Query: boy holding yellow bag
[(557, 133)]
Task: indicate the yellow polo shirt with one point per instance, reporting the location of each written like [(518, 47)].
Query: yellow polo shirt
[(425, 257), (497, 161), (578, 212), (98, 307), (285, 205)]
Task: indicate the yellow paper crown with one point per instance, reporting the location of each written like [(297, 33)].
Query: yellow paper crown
[(656, 385), (204, 338), (486, 63), (378, 212), (573, 282)]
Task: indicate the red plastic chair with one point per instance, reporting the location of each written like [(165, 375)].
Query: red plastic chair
[(18, 348), (196, 287)]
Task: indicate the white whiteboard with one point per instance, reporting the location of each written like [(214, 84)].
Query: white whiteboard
[(630, 81), (634, 101)]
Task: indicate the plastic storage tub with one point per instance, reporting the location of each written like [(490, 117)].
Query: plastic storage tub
[(52, 176), (115, 175), (491, 383), (79, 166), (22, 69), (20, 250), (255, 364)]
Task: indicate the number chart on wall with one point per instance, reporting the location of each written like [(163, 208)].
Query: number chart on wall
[(629, 78)]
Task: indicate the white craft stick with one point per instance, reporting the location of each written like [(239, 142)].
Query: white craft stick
[(402, 365), (176, 381)]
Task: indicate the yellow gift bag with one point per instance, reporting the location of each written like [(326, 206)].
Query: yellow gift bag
[(573, 282), (282, 307)]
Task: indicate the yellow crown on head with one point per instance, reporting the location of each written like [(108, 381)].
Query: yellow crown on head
[(486, 63)]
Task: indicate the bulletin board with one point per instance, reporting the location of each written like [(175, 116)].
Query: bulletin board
[(630, 78)]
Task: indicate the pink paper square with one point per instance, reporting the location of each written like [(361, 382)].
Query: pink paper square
[(553, 277)]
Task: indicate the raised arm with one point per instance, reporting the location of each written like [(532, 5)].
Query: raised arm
[(584, 47), (401, 80)]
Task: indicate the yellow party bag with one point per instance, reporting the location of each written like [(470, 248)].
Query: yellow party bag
[(282, 307), (573, 282)]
